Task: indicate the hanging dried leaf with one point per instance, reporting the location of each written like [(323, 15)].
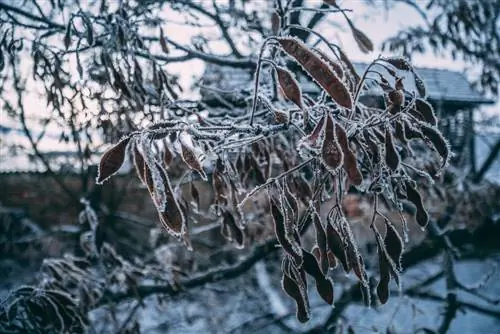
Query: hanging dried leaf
[(414, 196), (410, 131), (172, 217), (393, 244), (112, 160), (364, 43), (318, 70), (189, 156), (289, 86), (336, 246), (334, 65), (419, 83), (289, 244), (302, 303), (323, 285), (315, 134), (331, 152), (385, 276), (350, 163), (320, 240), (391, 155), (401, 63), (426, 110), (231, 231), (437, 140)]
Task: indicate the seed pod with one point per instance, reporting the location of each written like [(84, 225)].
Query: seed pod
[(320, 240), (426, 110), (231, 231), (313, 137), (438, 142), (391, 155), (275, 23), (189, 156), (350, 164), (290, 246), (289, 86), (336, 246), (410, 131), (334, 65), (318, 70), (112, 160), (414, 196), (400, 63), (172, 218), (364, 43), (385, 276), (393, 244), (331, 152), (323, 285), (419, 83), (301, 302)]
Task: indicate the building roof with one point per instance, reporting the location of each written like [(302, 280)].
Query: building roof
[(442, 85)]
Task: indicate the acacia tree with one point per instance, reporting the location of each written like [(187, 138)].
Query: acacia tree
[(296, 151)]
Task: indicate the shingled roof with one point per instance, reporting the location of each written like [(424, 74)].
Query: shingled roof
[(442, 85)]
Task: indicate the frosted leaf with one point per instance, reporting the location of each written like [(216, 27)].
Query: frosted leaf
[(158, 194)]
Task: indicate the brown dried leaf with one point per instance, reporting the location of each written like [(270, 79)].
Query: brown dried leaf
[(235, 232), (419, 83), (112, 160), (290, 86), (401, 63), (321, 241), (391, 155), (350, 163), (172, 218), (437, 140), (331, 152), (414, 196), (393, 244), (302, 304), (336, 246), (364, 43), (426, 110), (191, 160), (323, 285), (318, 70), (289, 244), (385, 276)]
